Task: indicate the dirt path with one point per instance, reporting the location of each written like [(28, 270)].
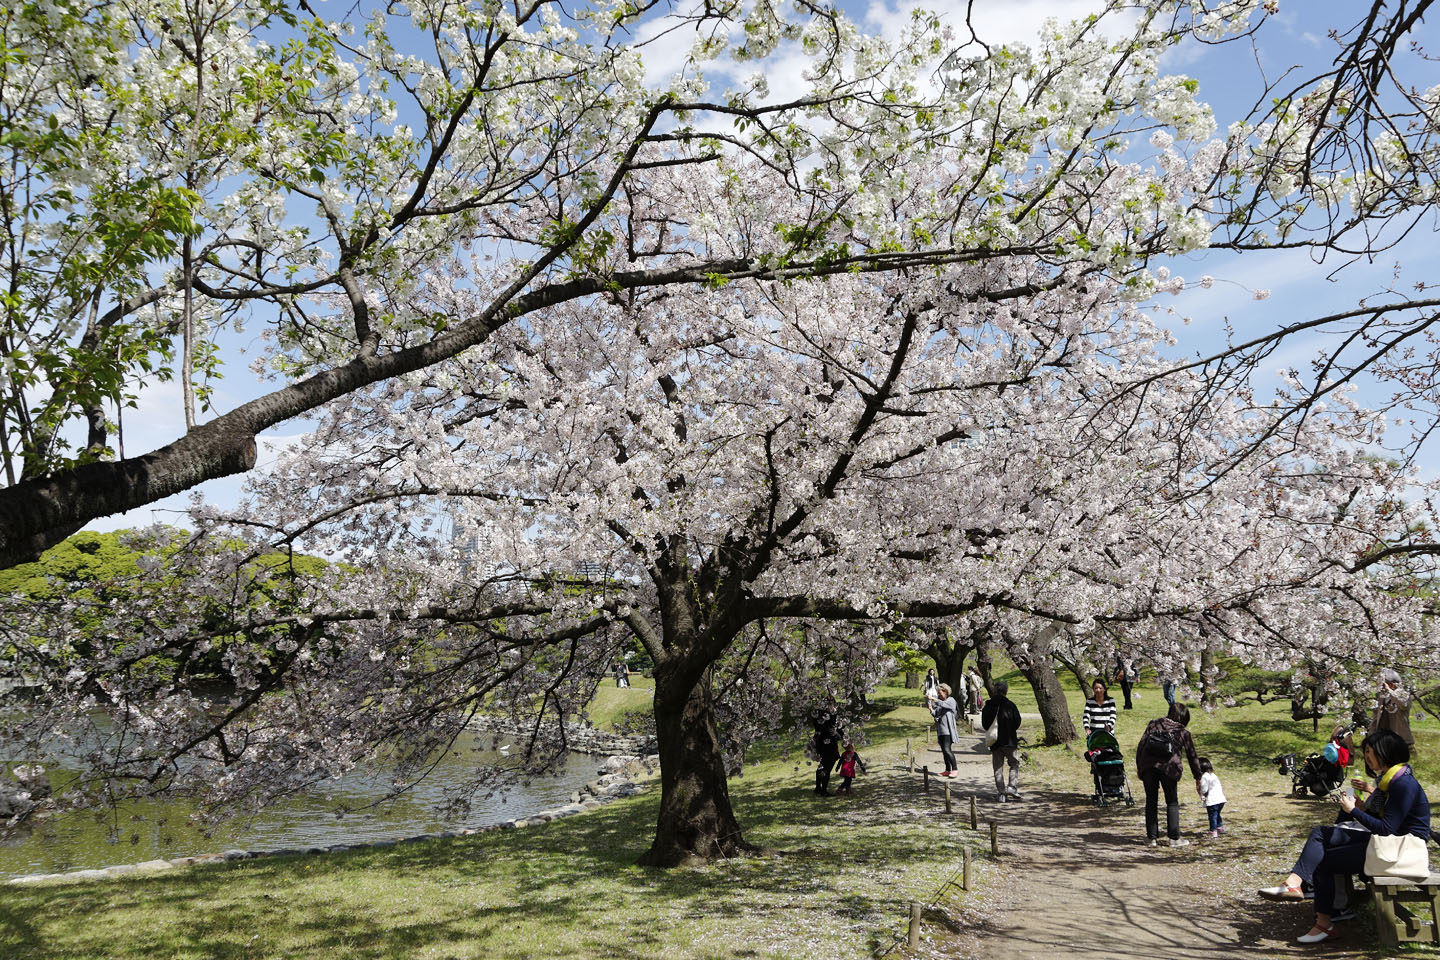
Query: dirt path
[(1076, 881)]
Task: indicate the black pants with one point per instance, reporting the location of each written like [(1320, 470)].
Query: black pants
[(947, 751), (1154, 782), (1125, 686), (822, 773)]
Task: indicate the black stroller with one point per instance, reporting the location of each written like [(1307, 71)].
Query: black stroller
[(1107, 766), (1313, 775)]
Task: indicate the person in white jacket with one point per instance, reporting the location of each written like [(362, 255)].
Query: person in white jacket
[(1214, 796)]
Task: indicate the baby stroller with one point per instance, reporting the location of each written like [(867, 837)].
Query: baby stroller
[(1107, 766), (1313, 775)]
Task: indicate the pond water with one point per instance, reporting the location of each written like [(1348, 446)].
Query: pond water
[(162, 830)]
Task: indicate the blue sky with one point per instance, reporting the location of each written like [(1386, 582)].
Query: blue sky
[(1229, 80)]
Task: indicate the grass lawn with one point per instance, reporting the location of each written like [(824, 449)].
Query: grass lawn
[(839, 885)]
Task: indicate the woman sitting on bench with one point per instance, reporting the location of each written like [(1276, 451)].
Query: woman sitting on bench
[(1397, 806)]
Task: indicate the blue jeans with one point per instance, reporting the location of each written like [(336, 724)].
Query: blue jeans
[(1169, 689), (1214, 811)]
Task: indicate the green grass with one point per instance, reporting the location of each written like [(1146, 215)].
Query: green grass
[(612, 704), (838, 886)]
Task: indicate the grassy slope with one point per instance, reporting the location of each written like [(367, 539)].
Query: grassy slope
[(570, 889), (567, 889)]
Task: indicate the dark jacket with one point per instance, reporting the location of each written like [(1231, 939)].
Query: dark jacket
[(1009, 717), (1168, 767), (1403, 808)]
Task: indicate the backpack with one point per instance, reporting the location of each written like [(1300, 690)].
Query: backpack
[(1159, 744)]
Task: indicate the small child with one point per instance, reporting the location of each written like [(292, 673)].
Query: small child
[(849, 760), (1214, 796)]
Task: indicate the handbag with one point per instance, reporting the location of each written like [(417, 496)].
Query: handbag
[(1405, 856), (992, 733)]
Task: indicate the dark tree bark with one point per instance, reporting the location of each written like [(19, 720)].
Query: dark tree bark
[(949, 655), (1049, 696), (1209, 676), (696, 821)]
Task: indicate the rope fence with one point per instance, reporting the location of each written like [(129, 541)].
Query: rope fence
[(962, 877)]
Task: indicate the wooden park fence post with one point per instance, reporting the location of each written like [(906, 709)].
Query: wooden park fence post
[(995, 838), (947, 797), (914, 925), (965, 873), (926, 770), (974, 823)]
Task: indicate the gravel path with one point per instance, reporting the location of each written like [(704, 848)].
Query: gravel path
[(1076, 881)]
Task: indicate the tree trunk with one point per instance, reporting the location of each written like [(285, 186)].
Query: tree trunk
[(696, 820), (983, 666), (1049, 696), (912, 679), (1209, 677), (949, 659)]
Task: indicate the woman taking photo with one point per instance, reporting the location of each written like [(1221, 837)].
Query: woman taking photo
[(1396, 806)]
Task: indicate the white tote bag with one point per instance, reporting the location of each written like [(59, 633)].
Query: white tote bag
[(1405, 856)]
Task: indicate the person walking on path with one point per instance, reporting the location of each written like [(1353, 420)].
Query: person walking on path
[(1214, 796), (1158, 761), (943, 709), (1099, 712), (849, 760), (1392, 708), (1002, 712)]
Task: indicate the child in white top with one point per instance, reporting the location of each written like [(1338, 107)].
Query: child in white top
[(1213, 794)]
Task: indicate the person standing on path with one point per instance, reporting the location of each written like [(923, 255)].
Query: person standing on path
[(1392, 708), (1099, 712), (1002, 712), (932, 684), (1125, 675), (827, 748), (1213, 796), (943, 709), (1158, 762), (977, 690)]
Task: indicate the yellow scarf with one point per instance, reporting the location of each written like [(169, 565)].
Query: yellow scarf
[(1384, 782)]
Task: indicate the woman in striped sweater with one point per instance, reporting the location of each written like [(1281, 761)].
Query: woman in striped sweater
[(1100, 711)]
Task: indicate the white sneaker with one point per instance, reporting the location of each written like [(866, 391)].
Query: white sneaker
[(1179, 842), (1001, 798)]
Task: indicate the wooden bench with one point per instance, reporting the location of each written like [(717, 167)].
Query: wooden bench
[(1395, 920)]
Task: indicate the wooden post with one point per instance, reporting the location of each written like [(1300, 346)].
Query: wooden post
[(909, 753), (965, 874), (914, 925), (947, 797), (995, 838), (926, 770), (974, 822)]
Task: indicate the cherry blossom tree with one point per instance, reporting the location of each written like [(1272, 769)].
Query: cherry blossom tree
[(175, 171), (736, 474)]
